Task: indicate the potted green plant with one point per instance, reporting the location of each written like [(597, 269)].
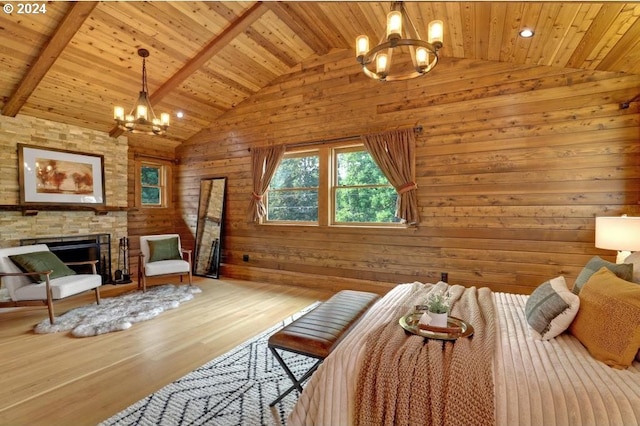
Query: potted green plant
[(438, 305)]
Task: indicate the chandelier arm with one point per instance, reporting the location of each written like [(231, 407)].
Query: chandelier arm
[(412, 31)]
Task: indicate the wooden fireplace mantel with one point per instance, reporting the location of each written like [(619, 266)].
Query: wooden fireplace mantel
[(33, 209)]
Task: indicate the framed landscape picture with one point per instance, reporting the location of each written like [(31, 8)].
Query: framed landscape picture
[(55, 176)]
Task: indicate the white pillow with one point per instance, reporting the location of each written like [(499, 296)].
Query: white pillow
[(550, 309)]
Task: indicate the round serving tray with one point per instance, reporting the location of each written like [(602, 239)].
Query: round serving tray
[(410, 323)]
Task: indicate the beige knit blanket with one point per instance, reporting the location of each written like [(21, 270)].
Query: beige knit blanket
[(408, 380)]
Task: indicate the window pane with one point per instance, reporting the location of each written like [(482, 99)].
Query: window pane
[(367, 205), (296, 172), (293, 205), (358, 168), (150, 175), (150, 195)]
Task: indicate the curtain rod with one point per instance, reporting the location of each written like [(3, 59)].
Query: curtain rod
[(151, 157), (416, 129)]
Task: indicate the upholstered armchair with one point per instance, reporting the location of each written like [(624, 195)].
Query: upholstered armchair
[(162, 255), (33, 275)]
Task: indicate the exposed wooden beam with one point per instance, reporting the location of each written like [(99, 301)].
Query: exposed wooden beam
[(76, 15), (209, 51)]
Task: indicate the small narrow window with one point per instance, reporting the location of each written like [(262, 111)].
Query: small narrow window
[(152, 185)]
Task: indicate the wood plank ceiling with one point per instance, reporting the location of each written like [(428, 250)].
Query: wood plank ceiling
[(75, 61)]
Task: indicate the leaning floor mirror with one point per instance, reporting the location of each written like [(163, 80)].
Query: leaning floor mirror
[(209, 227)]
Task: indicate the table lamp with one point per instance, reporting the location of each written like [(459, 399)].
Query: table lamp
[(621, 233)]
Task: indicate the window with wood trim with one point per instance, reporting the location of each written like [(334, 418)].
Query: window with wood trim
[(293, 191), (153, 185), (337, 185), (361, 192)]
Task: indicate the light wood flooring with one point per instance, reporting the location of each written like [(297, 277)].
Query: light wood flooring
[(56, 379)]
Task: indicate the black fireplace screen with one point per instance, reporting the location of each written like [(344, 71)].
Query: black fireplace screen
[(78, 248)]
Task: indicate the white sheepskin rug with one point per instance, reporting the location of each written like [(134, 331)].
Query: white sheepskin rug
[(120, 312)]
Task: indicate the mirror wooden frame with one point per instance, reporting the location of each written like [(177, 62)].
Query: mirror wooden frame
[(208, 241)]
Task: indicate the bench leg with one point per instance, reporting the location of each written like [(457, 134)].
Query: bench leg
[(297, 384)]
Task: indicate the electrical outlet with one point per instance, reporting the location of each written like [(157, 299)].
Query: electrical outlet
[(245, 257)]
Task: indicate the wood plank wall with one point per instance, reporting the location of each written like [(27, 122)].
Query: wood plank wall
[(514, 163), (149, 220)]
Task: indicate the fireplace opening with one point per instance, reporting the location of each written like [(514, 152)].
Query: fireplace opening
[(79, 248)]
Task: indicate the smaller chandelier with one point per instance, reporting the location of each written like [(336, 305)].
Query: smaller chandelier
[(142, 119), (400, 33)]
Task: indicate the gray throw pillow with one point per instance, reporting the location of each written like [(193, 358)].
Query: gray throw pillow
[(622, 270), (550, 309)]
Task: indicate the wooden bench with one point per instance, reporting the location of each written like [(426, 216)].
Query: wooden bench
[(317, 333)]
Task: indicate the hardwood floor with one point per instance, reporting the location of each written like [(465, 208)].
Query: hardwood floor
[(56, 379)]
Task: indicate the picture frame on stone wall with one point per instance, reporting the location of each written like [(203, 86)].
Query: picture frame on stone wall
[(57, 176)]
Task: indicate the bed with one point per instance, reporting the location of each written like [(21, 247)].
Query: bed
[(535, 382)]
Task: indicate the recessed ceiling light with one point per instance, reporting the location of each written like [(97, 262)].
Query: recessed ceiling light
[(179, 114), (526, 33)]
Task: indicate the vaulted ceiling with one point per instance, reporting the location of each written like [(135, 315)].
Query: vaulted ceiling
[(73, 61)]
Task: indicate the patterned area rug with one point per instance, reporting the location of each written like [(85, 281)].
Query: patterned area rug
[(120, 312), (233, 389)]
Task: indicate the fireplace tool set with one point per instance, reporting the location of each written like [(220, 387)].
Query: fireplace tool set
[(122, 274)]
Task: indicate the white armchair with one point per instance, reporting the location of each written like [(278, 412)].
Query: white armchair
[(162, 255), (41, 278)]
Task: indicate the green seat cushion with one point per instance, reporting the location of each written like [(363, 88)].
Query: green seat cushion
[(164, 249), (39, 261)]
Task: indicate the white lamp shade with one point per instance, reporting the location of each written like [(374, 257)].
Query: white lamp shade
[(618, 233)]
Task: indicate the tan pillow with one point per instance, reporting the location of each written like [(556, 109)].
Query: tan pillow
[(608, 322)]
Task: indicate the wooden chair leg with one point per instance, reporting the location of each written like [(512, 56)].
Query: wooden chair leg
[(97, 295), (50, 307)]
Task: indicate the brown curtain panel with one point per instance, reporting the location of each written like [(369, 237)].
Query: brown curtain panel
[(264, 162), (394, 153)]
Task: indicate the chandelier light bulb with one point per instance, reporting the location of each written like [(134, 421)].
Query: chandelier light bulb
[(362, 45), (164, 119), (422, 57), (394, 25), (436, 32), (381, 63), (118, 113), (141, 112)]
